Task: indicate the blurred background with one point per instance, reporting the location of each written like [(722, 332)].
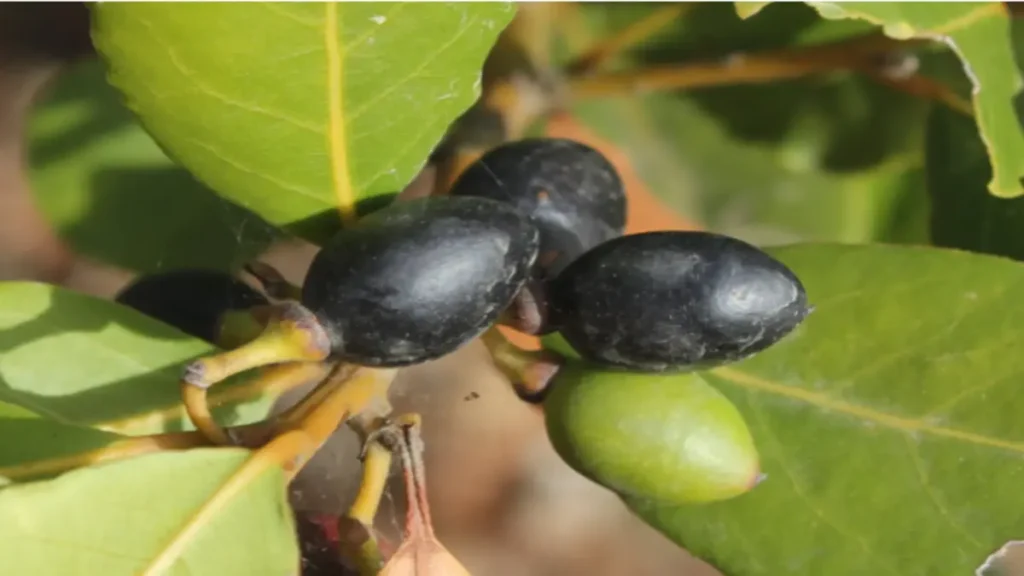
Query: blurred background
[(822, 152)]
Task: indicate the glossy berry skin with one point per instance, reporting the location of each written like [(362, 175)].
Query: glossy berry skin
[(192, 301), (671, 438), (417, 280), (675, 300), (570, 191)]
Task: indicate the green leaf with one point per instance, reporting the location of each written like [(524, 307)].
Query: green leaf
[(980, 34), (894, 406), (833, 157), (114, 519), (114, 195), (33, 445), (963, 214), (762, 193), (82, 360), (297, 110), (747, 9)]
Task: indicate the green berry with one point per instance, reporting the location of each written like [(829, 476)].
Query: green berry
[(671, 438)]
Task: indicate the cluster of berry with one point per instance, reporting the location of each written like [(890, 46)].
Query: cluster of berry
[(531, 236)]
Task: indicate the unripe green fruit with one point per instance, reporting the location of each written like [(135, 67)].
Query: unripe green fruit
[(671, 438)]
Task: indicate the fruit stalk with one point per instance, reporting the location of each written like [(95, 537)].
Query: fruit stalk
[(358, 542), (292, 335), (528, 371)]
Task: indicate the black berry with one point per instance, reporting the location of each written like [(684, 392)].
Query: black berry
[(569, 190), (192, 301), (674, 300), (419, 279)]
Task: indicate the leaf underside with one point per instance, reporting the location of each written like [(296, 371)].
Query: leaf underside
[(100, 179)]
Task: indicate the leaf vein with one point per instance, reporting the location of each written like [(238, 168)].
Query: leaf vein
[(947, 406), (358, 42), (883, 361), (427, 61), (915, 458), (241, 167), (413, 142), (985, 10), (890, 289), (336, 137), (209, 90), (785, 465), (753, 383), (273, 7)]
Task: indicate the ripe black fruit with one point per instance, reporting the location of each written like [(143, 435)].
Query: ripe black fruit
[(671, 300), (193, 301), (570, 191), (418, 279)]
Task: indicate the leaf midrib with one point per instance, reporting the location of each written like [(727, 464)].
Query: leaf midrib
[(337, 145), (754, 383)]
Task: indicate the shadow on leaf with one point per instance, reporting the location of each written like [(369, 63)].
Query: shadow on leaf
[(177, 221), (320, 227), (964, 214), (100, 179), (82, 360)]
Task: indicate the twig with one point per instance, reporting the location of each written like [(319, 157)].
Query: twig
[(254, 435), (860, 56), (271, 455), (532, 30), (358, 540), (376, 458), (275, 381), (289, 450), (623, 40), (925, 88), (768, 66)]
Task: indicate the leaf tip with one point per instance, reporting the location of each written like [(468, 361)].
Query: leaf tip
[(996, 188), (747, 10)]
